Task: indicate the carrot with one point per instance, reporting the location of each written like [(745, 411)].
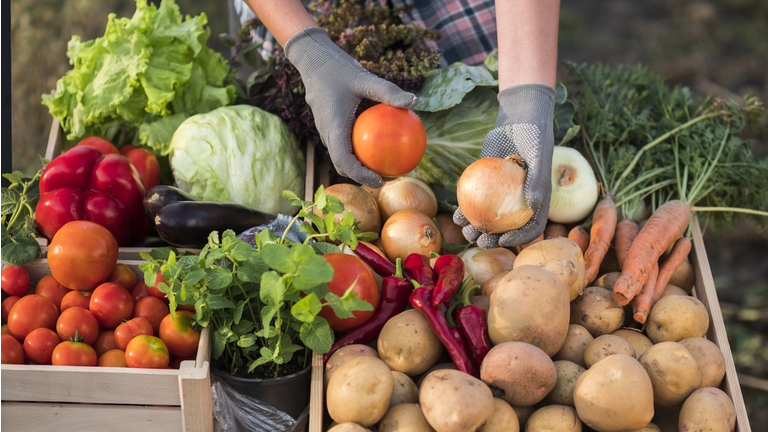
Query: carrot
[(537, 239), (580, 236), (626, 231), (666, 224), (641, 304), (555, 230), (603, 227), (680, 250)]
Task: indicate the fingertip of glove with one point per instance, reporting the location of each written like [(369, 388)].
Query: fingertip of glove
[(459, 219)]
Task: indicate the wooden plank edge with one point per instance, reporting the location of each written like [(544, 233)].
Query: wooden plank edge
[(195, 395), (316, 394), (44, 417), (53, 148)]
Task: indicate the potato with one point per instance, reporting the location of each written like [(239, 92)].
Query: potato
[(709, 358), (597, 311), (615, 394), (673, 290), (453, 401), (559, 418), (673, 371), (556, 248), (530, 304), (348, 427), (639, 341), (405, 417), (408, 344), (684, 276), (576, 341), (483, 264), (490, 285), (675, 318), (518, 372), (604, 346), (607, 280), (707, 409), (404, 390), (439, 366), (567, 374), (343, 355), (360, 391), (504, 418)]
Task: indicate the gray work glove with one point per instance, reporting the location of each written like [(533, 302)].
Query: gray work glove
[(524, 127), (335, 84)]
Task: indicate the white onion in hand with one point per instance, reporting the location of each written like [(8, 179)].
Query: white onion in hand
[(407, 232), (574, 189), (406, 193)]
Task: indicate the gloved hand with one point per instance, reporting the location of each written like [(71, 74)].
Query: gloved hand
[(524, 127), (335, 84)]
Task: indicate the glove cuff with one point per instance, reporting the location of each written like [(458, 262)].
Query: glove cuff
[(309, 49), (526, 103)]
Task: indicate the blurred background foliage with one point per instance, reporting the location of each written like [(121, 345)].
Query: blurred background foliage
[(717, 47)]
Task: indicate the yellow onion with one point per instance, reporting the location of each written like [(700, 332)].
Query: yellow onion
[(407, 232), (484, 264), (359, 202), (491, 194), (574, 188), (406, 193), (451, 232)]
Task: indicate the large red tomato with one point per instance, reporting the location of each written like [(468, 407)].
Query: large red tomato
[(79, 323), (111, 304), (178, 334), (39, 345), (51, 288), (14, 280), (128, 330), (105, 342), (7, 305), (139, 291), (123, 276), (153, 309), (12, 351), (347, 269), (112, 358), (31, 312), (390, 141), (147, 166), (147, 352), (100, 143), (82, 255), (76, 299), (73, 354)]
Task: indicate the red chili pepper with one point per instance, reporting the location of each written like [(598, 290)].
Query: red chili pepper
[(422, 272), (394, 299), (474, 327), (421, 299), (450, 273), (382, 266)]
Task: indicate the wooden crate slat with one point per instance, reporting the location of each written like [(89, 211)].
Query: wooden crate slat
[(195, 391)]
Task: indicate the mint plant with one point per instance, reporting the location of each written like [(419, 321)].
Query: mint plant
[(17, 222)]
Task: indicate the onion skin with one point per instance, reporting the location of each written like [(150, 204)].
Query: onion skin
[(359, 202), (451, 232), (483, 264), (407, 232), (406, 193), (491, 195)]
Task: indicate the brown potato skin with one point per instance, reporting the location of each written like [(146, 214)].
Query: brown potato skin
[(675, 318), (519, 373), (343, 355), (604, 346), (405, 417), (559, 418), (360, 391), (710, 359), (490, 284), (673, 371), (673, 290), (504, 418), (707, 409), (684, 276), (576, 341), (408, 344), (597, 311), (404, 390), (348, 427), (438, 366), (567, 374), (639, 341), (544, 251), (453, 401), (607, 280)]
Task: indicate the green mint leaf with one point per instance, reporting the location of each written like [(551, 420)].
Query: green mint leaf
[(194, 277), (238, 314), (219, 302), (278, 257), (334, 205), (163, 253), (246, 340), (366, 236), (324, 248), (307, 229), (317, 335), (19, 249), (241, 250), (243, 327), (219, 277), (290, 196), (8, 202), (213, 239), (228, 234), (258, 362), (320, 290), (252, 269), (266, 237), (267, 314), (320, 199), (348, 220), (219, 342), (148, 258), (311, 269), (338, 306), (266, 352), (14, 177), (317, 221), (214, 256), (150, 274), (330, 223), (30, 224), (267, 332), (306, 309), (272, 288), (187, 261)]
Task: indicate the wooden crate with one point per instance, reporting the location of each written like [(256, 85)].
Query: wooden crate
[(65, 398)]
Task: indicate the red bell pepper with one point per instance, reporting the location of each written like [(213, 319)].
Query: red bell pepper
[(86, 184)]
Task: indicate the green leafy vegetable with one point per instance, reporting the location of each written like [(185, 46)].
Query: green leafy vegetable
[(444, 88), (19, 246)]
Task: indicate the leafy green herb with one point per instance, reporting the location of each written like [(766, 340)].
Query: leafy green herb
[(19, 245)]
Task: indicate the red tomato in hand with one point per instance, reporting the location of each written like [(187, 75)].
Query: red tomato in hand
[(80, 299), (73, 354), (390, 141), (14, 280), (111, 304), (155, 291), (178, 334), (31, 312), (128, 330), (347, 269), (39, 345), (123, 276), (147, 166), (7, 305), (82, 255), (12, 352), (77, 319), (105, 342), (112, 358), (100, 143), (153, 309), (147, 352), (51, 288)]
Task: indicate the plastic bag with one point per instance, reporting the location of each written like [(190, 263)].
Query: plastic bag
[(236, 412)]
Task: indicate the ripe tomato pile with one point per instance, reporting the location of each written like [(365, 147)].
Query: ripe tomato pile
[(91, 311)]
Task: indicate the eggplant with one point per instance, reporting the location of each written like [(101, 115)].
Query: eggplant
[(188, 223), (159, 196)]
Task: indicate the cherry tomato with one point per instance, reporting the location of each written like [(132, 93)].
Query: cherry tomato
[(126, 148), (128, 330), (14, 280), (7, 305), (347, 269), (155, 291), (12, 351), (112, 358), (76, 299), (80, 320), (153, 309), (178, 334), (390, 141), (147, 166), (175, 362), (111, 304), (82, 255), (39, 345), (139, 291), (31, 312), (105, 342), (51, 288), (100, 143), (123, 276), (71, 353), (147, 352)]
